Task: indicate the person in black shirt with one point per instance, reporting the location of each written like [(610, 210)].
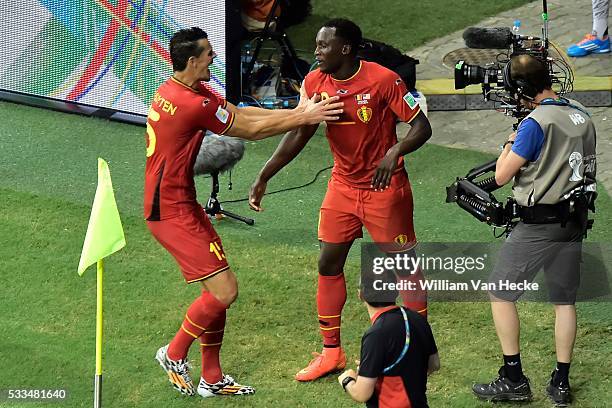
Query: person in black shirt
[(397, 353)]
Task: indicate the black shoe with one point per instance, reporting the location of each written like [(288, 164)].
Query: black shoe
[(561, 394), (503, 389)]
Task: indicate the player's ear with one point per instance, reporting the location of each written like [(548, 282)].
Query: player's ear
[(346, 49), (190, 61)]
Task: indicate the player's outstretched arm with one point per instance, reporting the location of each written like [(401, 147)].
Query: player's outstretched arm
[(290, 146), (419, 133), (311, 113), (255, 114)]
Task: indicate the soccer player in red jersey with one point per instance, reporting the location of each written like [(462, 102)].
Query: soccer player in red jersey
[(369, 185), (182, 111)]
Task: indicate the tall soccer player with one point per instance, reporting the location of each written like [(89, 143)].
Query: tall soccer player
[(182, 111), (369, 185)]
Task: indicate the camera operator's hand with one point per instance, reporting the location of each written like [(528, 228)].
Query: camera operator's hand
[(258, 189), (385, 170)]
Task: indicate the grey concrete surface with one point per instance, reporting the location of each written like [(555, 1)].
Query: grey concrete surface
[(568, 22), (487, 130)]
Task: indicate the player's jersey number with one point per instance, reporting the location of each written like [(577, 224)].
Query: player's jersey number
[(216, 249), (152, 117), (324, 95)]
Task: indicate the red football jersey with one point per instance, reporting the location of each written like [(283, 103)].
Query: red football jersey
[(374, 98), (176, 124)]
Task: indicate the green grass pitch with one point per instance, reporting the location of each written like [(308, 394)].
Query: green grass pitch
[(47, 312)]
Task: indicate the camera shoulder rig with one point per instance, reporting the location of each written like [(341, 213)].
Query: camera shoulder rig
[(473, 193)]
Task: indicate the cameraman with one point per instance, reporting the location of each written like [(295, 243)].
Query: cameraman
[(552, 160)]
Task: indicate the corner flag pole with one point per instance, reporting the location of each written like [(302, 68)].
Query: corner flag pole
[(104, 237), (98, 376)]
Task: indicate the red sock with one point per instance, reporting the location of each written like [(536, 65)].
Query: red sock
[(201, 314), (415, 299), (210, 344), (331, 295)]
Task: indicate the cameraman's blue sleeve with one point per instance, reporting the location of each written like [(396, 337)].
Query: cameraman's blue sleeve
[(529, 140)]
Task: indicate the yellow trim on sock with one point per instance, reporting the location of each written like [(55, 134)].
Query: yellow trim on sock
[(329, 328), (188, 332), (196, 325), (215, 331)]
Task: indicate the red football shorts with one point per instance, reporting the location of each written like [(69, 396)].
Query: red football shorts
[(193, 242), (387, 215)]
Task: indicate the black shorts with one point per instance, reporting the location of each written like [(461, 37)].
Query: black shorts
[(532, 247)]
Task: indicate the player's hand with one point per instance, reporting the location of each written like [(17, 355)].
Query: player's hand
[(256, 193), (347, 373), (512, 136), (306, 102), (385, 170), (303, 98), (317, 111)]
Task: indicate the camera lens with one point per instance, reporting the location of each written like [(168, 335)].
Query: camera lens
[(466, 74)]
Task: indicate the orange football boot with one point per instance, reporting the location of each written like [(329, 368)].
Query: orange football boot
[(330, 361)]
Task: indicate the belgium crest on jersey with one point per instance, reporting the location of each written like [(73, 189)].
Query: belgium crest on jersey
[(364, 114), (401, 240)]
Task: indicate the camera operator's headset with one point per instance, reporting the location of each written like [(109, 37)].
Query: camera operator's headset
[(524, 89), (520, 86)]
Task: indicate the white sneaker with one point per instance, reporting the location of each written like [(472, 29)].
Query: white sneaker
[(226, 386), (177, 370)]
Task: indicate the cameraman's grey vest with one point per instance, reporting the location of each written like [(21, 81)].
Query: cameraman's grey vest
[(567, 160)]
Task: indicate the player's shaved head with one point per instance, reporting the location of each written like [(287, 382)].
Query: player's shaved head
[(185, 44), (349, 32), (337, 42)]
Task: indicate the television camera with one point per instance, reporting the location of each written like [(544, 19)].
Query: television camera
[(474, 192), (494, 77)]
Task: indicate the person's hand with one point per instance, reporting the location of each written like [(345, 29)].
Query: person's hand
[(317, 111), (347, 373), (256, 193), (303, 98), (512, 136), (385, 170)]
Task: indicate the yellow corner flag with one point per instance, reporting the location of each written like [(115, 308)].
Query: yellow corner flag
[(104, 237), (104, 233)]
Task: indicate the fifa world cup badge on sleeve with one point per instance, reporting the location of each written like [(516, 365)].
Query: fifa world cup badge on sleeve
[(222, 114), (410, 101)]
